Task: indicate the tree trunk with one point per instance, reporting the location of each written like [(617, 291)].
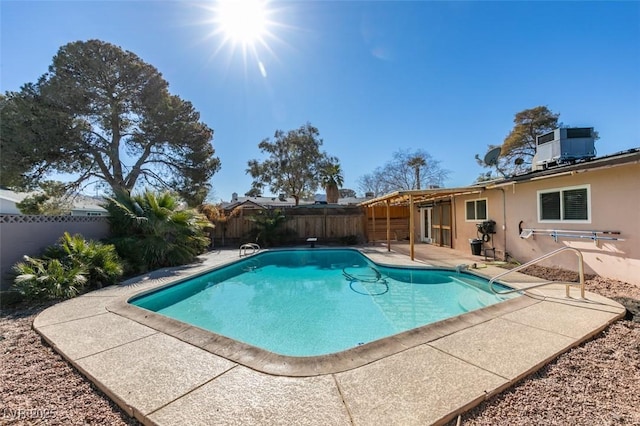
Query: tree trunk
[(332, 194)]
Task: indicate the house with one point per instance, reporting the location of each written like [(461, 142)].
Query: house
[(9, 199), (258, 202), (82, 205), (592, 205), (282, 201)]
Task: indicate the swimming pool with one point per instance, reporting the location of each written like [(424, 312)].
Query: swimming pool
[(305, 303)]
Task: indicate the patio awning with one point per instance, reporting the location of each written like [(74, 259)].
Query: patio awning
[(417, 196)]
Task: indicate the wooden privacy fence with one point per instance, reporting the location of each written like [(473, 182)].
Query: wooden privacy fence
[(328, 224), (332, 225)]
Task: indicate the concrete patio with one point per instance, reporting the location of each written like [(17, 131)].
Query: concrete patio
[(168, 373)]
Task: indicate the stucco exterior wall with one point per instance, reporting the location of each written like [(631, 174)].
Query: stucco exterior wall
[(615, 206), (608, 236), (466, 230)]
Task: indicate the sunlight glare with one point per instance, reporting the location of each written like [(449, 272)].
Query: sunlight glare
[(245, 29), (263, 70), (242, 21)]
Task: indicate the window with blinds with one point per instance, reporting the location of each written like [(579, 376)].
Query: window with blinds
[(564, 205)]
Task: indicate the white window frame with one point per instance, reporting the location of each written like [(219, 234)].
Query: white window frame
[(475, 201), (561, 190)]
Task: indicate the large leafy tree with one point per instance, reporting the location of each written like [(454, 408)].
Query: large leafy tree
[(405, 171), (104, 115), (293, 162), (519, 147)]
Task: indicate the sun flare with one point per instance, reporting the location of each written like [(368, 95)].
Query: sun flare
[(245, 29), (242, 21)]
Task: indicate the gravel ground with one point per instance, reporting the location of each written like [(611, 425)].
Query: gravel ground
[(597, 383), (37, 386)]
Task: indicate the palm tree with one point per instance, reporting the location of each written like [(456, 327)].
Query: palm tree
[(331, 179), (101, 261), (417, 162), (153, 230)]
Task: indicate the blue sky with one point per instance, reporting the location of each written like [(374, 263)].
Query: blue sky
[(374, 77)]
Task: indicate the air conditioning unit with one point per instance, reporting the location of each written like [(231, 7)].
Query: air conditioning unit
[(564, 145)]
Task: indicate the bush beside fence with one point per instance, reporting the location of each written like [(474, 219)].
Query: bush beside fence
[(29, 235)]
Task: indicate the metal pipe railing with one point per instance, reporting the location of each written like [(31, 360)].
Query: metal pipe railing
[(568, 233), (538, 259)]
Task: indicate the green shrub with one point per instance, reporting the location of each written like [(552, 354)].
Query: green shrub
[(101, 261), (67, 269), (152, 231), (268, 229), (48, 279), (349, 240)]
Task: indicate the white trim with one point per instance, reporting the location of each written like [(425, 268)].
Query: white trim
[(425, 228), (474, 201)]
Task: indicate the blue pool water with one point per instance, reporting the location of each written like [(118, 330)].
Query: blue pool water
[(316, 302)]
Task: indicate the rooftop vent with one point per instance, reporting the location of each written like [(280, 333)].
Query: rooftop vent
[(564, 145)]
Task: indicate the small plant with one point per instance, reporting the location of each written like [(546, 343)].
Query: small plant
[(67, 269), (48, 279), (218, 217), (101, 261), (267, 227), (349, 240)]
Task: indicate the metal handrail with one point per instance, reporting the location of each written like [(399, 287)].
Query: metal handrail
[(249, 246), (568, 233), (536, 260)]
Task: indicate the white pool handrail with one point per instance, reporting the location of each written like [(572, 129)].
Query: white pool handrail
[(249, 246), (538, 259)]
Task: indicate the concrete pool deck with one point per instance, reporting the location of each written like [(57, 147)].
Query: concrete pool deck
[(166, 374)]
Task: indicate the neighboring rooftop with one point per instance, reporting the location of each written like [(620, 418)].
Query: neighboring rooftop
[(283, 201), (83, 205)]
